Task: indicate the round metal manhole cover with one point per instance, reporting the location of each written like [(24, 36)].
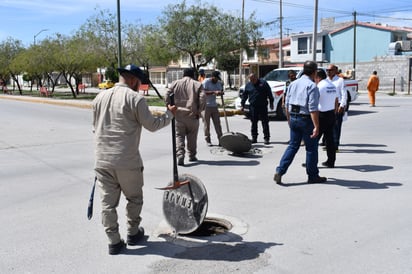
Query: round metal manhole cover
[(235, 142), (185, 208)]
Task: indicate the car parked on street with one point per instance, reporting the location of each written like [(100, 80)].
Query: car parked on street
[(106, 84)]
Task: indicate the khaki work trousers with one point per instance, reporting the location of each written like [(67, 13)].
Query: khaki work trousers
[(211, 113), (113, 182), (186, 128)]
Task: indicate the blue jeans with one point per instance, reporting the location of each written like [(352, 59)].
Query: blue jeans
[(301, 127)]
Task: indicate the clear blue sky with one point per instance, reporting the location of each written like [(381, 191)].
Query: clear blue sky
[(23, 19)]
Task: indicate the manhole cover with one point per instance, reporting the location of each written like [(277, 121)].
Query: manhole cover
[(185, 207)]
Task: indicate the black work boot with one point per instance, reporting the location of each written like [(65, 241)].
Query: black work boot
[(115, 249), (135, 239)]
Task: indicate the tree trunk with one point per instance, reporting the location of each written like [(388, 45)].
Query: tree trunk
[(18, 84)]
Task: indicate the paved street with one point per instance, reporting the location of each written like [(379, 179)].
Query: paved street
[(357, 222)]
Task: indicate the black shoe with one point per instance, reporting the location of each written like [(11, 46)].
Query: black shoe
[(115, 249), (180, 162), (317, 180), (193, 159), (267, 142), (254, 141), (209, 144), (327, 164), (277, 178), (135, 239)]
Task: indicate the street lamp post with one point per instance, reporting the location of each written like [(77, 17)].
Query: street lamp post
[(241, 49), (119, 35), (34, 38), (315, 30), (280, 36)]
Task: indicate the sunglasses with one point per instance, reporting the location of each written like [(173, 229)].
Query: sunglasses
[(328, 70)]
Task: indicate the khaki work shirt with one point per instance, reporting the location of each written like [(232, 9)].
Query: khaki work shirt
[(118, 116)]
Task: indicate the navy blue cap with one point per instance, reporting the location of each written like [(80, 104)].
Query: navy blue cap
[(136, 71)]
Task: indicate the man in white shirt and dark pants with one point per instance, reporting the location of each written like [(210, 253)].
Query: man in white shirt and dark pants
[(328, 105), (332, 72)]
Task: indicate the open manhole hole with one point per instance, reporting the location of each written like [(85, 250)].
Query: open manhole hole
[(211, 227)]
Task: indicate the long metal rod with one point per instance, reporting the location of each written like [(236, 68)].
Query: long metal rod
[(315, 31), (119, 36), (224, 113), (354, 45), (280, 35), (241, 49)]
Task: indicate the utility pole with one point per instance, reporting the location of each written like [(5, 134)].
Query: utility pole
[(119, 37), (280, 36), (287, 31), (354, 45), (241, 49), (315, 29)]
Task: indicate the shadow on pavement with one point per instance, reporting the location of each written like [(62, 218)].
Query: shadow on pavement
[(349, 184), (224, 163), (365, 168), (212, 251), (369, 151), (354, 184), (359, 112), (362, 145)]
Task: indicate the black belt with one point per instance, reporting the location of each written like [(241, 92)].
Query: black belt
[(299, 114)]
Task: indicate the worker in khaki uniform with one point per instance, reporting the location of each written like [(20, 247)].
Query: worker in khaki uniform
[(373, 86), (190, 101), (211, 88), (118, 117)]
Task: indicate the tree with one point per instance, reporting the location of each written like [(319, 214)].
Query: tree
[(203, 30), (100, 34), (9, 50), (228, 62), (145, 45), (72, 57)]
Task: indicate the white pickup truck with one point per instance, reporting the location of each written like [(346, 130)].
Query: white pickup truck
[(277, 81)]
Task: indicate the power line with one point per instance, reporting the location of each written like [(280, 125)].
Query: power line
[(302, 23), (374, 14)]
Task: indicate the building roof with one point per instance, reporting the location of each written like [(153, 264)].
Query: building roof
[(374, 26), (274, 41)]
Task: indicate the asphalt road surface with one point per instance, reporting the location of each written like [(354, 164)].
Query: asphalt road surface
[(359, 221)]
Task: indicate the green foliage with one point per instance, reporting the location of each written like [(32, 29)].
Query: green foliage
[(202, 29), (100, 34), (112, 74), (228, 62), (146, 46)]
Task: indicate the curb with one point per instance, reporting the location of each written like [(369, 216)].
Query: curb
[(88, 104), (71, 103)]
